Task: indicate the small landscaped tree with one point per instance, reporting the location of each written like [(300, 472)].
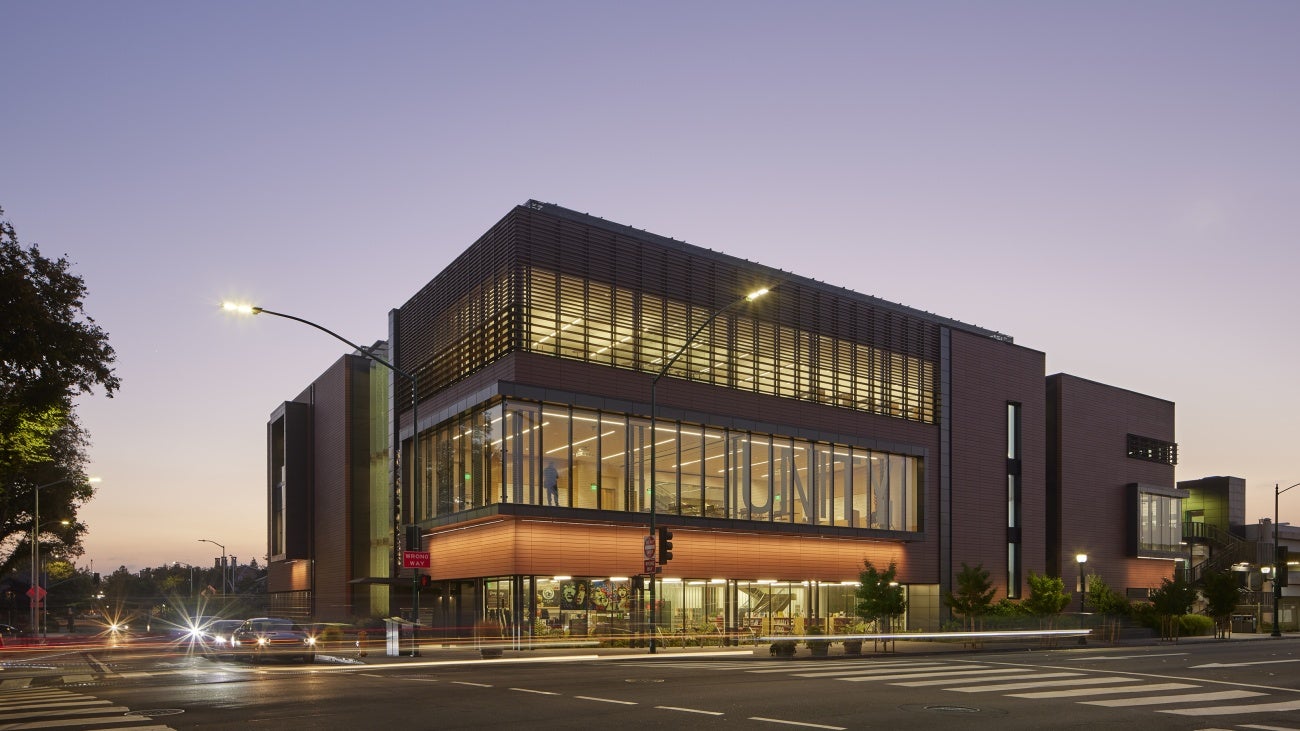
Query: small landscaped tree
[(880, 598), (1221, 596), (1170, 602), (1047, 598), (974, 596), (1107, 602)]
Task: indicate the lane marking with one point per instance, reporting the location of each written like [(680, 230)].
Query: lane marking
[(1075, 692), (538, 692), (1221, 695), (689, 710), (798, 723), (466, 682), (605, 700)]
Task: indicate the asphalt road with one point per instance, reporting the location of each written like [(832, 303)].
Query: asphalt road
[(1192, 685)]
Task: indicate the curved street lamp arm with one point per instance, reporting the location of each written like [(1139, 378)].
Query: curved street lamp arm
[(327, 331), (747, 298)]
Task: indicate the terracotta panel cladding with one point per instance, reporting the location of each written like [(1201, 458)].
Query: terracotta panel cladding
[(330, 525), (987, 374), (538, 547), (1094, 421)]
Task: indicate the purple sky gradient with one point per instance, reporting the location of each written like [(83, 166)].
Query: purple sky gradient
[(1113, 183)]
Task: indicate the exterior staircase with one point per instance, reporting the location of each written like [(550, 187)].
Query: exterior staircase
[(1225, 549)]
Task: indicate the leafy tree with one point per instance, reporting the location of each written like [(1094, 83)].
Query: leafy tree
[(974, 595), (1221, 596), (1109, 603), (1047, 597), (880, 598), (50, 352), (1171, 601)]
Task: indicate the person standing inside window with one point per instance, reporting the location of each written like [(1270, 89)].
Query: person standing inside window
[(551, 483)]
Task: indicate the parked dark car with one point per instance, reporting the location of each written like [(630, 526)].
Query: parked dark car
[(266, 637)]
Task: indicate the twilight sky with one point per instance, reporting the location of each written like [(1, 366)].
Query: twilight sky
[(1113, 183)]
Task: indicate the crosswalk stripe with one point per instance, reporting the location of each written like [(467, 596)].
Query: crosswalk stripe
[(27, 696), (948, 676), (53, 704), (857, 666), (1044, 684), (791, 667), (1007, 675), (80, 722), (1076, 692), (1248, 708), (1222, 695), (52, 712), (897, 672)]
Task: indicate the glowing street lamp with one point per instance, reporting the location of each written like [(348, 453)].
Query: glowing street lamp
[(654, 434), (1082, 558)]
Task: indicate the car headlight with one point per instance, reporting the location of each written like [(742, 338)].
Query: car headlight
[(311, 641), (261, 640)]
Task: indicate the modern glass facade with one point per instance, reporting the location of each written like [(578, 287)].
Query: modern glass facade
[(1159, 523), (691, 610), (498, 453), (595, 322)]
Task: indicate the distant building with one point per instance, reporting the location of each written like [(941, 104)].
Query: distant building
[(797, 435)]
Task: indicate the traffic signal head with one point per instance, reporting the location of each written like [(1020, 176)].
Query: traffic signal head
[(665, 545), (425, 580), (1283, 555)]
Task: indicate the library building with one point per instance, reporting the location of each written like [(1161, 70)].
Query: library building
[(569, 391)]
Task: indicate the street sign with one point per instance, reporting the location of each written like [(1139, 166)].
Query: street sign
[(36, 592), (648, 546), (649, 566), (415, 559)]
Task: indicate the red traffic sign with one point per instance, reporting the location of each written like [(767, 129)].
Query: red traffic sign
[(650, 566), (648, 547), (36, 592), (415, 559)]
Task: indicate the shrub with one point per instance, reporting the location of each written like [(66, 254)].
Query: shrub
[(1195, 624)]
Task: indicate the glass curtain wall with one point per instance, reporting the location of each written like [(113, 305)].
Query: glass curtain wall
[(505, 452), (569, 317)]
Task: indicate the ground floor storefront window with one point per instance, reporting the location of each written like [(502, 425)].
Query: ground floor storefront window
[(617, 610)]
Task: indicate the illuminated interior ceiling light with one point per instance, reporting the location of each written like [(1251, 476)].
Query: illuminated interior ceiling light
[(671, 581), (618, 578), (717, 581), (562, 578)]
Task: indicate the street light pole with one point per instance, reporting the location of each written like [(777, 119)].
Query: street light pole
[(223, 562), (654, 440), (416, 469), (36, 599), (1278, 567)]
